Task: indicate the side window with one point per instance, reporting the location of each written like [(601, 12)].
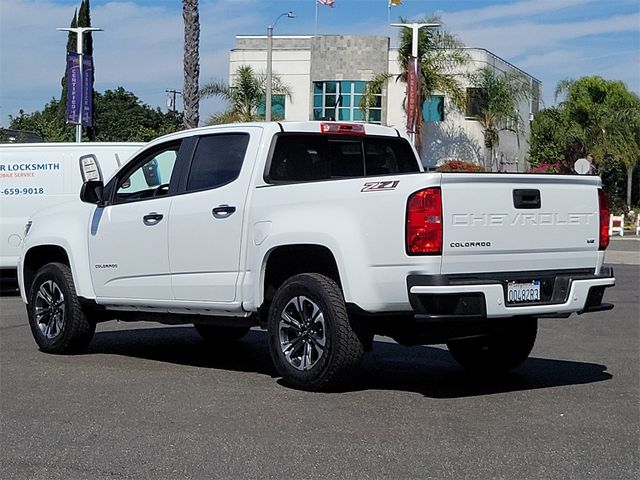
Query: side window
[(148, 176), (217, 160)]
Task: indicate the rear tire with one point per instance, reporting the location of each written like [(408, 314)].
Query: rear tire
[(56, 318), (311, 341), (219, 334), (501, 350)]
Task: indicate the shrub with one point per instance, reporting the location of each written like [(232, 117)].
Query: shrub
[(459, 166), (546, 168)]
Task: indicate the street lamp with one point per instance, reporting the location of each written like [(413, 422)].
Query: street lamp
[(414, 49), (79, 31), (267, 107)]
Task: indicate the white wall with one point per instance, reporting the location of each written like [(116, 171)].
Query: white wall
[(293, 68)]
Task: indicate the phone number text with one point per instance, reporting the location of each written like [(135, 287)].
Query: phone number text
[(22, 191)]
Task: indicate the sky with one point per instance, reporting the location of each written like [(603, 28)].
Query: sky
[(141, 45)]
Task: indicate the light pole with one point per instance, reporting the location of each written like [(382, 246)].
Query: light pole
[(267, 106), (414, 50), (79, 31)]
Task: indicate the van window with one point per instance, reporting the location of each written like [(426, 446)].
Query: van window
[(217, 160), (309, 157)]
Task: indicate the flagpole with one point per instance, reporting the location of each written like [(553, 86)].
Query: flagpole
[(316, 28)]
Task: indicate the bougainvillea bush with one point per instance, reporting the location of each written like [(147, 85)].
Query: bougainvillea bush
[(459, 166), (547, 168)]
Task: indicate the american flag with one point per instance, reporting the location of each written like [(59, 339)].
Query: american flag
[(328, 3)]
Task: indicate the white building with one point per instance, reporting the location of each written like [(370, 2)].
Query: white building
[(319, 70)]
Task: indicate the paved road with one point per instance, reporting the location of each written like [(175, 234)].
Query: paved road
[(154, 402), (624, 250)]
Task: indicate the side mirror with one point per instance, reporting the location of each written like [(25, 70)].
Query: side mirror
[(92, 192)]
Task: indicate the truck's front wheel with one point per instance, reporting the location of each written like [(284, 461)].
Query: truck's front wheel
[(502, 349), (57, 321), (311, 341)]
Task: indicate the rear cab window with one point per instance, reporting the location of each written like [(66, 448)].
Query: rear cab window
[(304, 157)]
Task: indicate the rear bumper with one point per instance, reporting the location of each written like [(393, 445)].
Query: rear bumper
[(439, 297)]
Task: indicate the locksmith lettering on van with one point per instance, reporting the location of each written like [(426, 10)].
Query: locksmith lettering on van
[(38, 175)]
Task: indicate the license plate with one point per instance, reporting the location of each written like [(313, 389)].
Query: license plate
[(523, 292)]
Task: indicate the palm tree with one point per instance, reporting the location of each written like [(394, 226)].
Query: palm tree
[(605, 121), (191, 62), (498, 96), (244, 97), (441, 55)]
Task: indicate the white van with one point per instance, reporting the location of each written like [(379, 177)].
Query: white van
[(37, 175)]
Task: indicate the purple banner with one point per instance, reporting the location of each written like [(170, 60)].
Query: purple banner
[(87, 91), (74, 88)]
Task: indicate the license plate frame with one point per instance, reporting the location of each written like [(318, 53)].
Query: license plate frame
[(523, 292)]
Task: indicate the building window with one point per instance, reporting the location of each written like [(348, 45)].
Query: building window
[(277, 107), (474, 102), (535, 97), (340, 100), (433, 109)]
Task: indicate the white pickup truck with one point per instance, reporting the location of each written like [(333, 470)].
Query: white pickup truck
[(325, 234)]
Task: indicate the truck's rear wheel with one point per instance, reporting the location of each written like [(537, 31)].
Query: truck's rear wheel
[(311, 341), (56, 318), (501, 350), (220, 334)]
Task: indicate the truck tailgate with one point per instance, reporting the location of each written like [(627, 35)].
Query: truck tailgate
[(503, 223)]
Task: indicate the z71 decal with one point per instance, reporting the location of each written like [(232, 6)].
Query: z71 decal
[(377, 186)]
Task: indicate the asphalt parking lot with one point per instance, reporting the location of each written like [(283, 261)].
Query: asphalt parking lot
[(155, 402)]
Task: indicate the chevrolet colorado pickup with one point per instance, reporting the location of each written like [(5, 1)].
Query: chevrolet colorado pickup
[(324, 234)]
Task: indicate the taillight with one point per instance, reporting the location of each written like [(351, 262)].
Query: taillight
[(356, 129), (603, 204), (424, 222)]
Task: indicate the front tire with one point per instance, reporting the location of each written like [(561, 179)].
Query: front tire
[(500, 351), (311, 341), (56, 318)]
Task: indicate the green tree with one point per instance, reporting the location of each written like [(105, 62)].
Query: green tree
[(598, 119), (84, 20), (244, 97), (498, 97), (120, 117), (191, 62), (441, 54), (45, 123)]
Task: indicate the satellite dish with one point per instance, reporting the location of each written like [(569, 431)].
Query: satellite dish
[(582, 166)]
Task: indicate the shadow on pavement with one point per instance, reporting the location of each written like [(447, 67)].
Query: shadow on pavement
[(426, 370)]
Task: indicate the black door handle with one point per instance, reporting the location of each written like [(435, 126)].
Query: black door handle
[(152, 218), (526, 198), (223, 211)]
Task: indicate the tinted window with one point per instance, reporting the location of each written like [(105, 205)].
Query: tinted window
[(306, 157), (217, 160)]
